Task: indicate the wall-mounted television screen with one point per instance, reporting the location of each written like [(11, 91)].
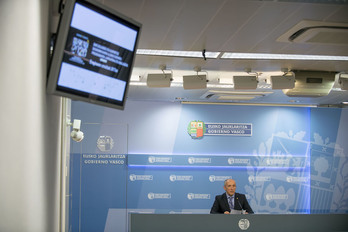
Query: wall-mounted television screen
[(93, 54)]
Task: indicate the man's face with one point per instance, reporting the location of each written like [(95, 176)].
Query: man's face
[(230, 187)]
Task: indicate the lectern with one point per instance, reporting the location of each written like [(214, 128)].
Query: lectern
[(238, 223)]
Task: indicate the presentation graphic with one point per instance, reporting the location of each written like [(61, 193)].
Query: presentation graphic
[(197, 129), (80, 45), (105, 143)]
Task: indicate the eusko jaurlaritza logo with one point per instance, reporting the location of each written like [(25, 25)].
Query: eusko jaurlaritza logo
[(196, 129)]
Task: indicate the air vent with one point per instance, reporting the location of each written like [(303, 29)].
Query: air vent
[(317, 32), (216, 95)]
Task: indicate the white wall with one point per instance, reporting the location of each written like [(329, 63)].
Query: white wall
[(29, 121)]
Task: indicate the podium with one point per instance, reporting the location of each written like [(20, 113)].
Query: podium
[(238, 223)]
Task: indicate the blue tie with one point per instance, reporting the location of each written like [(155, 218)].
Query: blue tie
[(230, 202)]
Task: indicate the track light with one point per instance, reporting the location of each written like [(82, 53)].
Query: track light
[(343, 80), (246, 82), (195, 81), (159, 80), (286, 81)]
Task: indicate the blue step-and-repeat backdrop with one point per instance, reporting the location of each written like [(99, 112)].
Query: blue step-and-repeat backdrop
[(173, 159)]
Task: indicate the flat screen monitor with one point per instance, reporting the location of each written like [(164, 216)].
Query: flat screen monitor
[(93, 54)]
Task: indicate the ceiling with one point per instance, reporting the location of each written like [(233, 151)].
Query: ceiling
[(235, 26)]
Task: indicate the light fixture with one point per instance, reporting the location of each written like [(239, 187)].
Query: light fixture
[(195, 81), (159, 80), (343, 80), (76, 134), (246, 104), (267, 56), (246, 82), (175, 53), (238, 55), (286, 81)]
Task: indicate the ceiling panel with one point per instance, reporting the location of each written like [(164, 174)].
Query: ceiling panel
[(226, 23), (262, 22), (189, 24)]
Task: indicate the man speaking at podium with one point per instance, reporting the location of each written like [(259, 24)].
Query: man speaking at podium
[(231, 202)]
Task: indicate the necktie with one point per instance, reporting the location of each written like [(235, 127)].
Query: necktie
[(230, 202)]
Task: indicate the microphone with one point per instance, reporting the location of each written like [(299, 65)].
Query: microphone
[(243, 211)]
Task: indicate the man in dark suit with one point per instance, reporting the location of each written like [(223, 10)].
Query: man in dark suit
[(230, 200)]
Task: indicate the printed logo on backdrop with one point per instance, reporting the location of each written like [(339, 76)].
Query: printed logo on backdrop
[(153, 159), (297, 179), (270, 197), (195, 160), (255, 179), (244, 161), (133, 177), (153, 196), (213, 178), (196, 196), (197, 129), (279, 161), (105, 143), (173, 178)]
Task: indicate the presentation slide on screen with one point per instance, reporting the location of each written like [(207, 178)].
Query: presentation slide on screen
[(97, 58)]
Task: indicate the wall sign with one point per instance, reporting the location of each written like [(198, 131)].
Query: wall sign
[(197, 129)]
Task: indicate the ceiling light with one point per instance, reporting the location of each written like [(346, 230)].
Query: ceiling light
[(254, 93), (245, 82), (189, 54), (283, 82), (343, 80), (159, 80), (220, 86), (237, 55), (195, 82), (246, 104), (137, 83), (266, 56)]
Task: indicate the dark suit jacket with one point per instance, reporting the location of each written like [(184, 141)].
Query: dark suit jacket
[(221, 204)]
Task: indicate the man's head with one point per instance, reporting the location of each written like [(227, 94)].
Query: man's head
[(230, 186)]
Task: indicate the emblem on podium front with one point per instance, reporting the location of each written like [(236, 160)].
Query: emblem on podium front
[(243, 224)]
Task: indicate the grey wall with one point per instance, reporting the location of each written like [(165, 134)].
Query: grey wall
[(29, 121)]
